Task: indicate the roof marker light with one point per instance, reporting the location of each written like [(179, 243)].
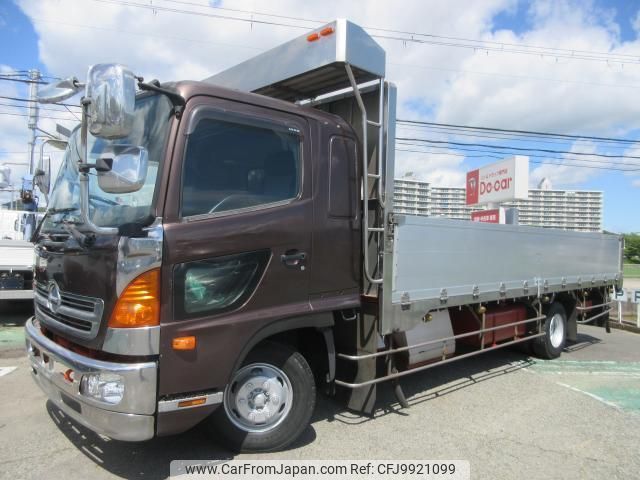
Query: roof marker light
[(312, 37), (326, 31)]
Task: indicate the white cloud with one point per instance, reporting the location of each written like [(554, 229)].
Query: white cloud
[(562, 174), (452, 85), (635, 22), (435, 168), (577, 102)]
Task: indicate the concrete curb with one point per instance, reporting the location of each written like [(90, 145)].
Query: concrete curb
[(624, 326)]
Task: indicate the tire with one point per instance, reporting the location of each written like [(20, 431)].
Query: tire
[(268, 402), (550, 346)]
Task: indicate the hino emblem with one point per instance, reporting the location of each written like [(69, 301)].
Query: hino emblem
[(54, 299)]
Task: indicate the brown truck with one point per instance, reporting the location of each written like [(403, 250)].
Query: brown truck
[(218, 250)]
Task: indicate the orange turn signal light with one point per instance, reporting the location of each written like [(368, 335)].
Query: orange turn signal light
[(68, 375), (326, 31), (184, 343), (192, 403), (312, 37), (139, 303)]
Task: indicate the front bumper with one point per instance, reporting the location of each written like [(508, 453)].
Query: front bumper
[(132, 419)]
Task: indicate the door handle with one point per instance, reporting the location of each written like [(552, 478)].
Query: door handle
[(293, 259)]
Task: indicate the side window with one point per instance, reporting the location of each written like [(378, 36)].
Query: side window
[(231, 166), (342, 177), (208, 287)]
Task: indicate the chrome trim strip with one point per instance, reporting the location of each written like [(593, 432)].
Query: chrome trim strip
[(133, 341), (172, 405), (254, 208), (140, 379), (50, 321), (93, 317), (139, 255)]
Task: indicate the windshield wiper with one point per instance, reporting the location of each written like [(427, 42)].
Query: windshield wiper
[(62, 210), (70, 226), (82, 239)]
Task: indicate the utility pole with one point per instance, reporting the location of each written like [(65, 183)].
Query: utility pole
[(34, 76)]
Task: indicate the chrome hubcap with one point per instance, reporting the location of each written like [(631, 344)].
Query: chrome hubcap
[(258, 398), (556, 330)]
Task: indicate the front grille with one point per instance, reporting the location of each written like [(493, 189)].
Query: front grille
[(78, 315)]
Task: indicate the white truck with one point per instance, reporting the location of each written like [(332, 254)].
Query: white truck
[(16, 254)]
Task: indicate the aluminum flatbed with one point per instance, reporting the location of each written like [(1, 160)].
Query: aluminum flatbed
[(439, 263)]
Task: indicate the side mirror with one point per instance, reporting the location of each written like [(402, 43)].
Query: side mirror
[(5, 176), (111, 88), (59, 91), (42, 180), (42, 174), (128, 169)]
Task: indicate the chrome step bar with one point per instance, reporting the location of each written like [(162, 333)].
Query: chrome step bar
[(435, 364), (444, 360)]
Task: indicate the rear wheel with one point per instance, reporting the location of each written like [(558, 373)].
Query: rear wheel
[(550, 345), (268, 402)]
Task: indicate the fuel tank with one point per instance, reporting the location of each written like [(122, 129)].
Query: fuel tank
[(464, 321)]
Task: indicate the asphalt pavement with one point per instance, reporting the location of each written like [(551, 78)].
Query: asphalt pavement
[(510, 415)]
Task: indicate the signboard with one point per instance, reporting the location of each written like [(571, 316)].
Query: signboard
[(499, 182), (625, 295), (496, 215)]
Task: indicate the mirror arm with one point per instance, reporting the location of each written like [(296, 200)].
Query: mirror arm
[(102, 165), (176, 99), (84, 177)]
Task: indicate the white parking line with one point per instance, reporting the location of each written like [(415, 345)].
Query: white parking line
[(596, 397), (6, 370)]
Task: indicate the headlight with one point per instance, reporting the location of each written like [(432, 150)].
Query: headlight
[(104, 387)]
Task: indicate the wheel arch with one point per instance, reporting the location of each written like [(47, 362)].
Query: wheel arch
[(304, 333)]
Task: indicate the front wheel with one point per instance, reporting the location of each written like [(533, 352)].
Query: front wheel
[(550, 345), (269, 401)]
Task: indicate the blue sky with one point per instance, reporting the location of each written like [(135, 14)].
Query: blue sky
[(441, 84)]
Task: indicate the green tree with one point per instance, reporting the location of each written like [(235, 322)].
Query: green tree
[(632, 247)]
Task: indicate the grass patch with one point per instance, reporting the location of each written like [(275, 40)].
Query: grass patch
[(631, 270)]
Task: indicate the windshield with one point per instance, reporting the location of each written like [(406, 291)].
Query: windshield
[(108, 209)]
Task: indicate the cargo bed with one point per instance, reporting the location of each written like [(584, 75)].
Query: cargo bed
[(440, 263)]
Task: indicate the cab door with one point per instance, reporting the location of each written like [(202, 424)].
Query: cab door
[(238, 247)]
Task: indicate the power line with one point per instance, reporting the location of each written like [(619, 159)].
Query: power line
[(265, 14), (155, 8), (146, 34), (536, 49), (564, 164), (41, 116), (17, 99), (499, 136), (39, 108), (519, 149), (20, 80), (525, 132), (511, 75), (534, 155), (441, 40)]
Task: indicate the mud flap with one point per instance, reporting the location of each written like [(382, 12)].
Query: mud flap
[(358, 337), (572, 326)]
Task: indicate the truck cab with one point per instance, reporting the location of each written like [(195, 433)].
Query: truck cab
[(242, 232)]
